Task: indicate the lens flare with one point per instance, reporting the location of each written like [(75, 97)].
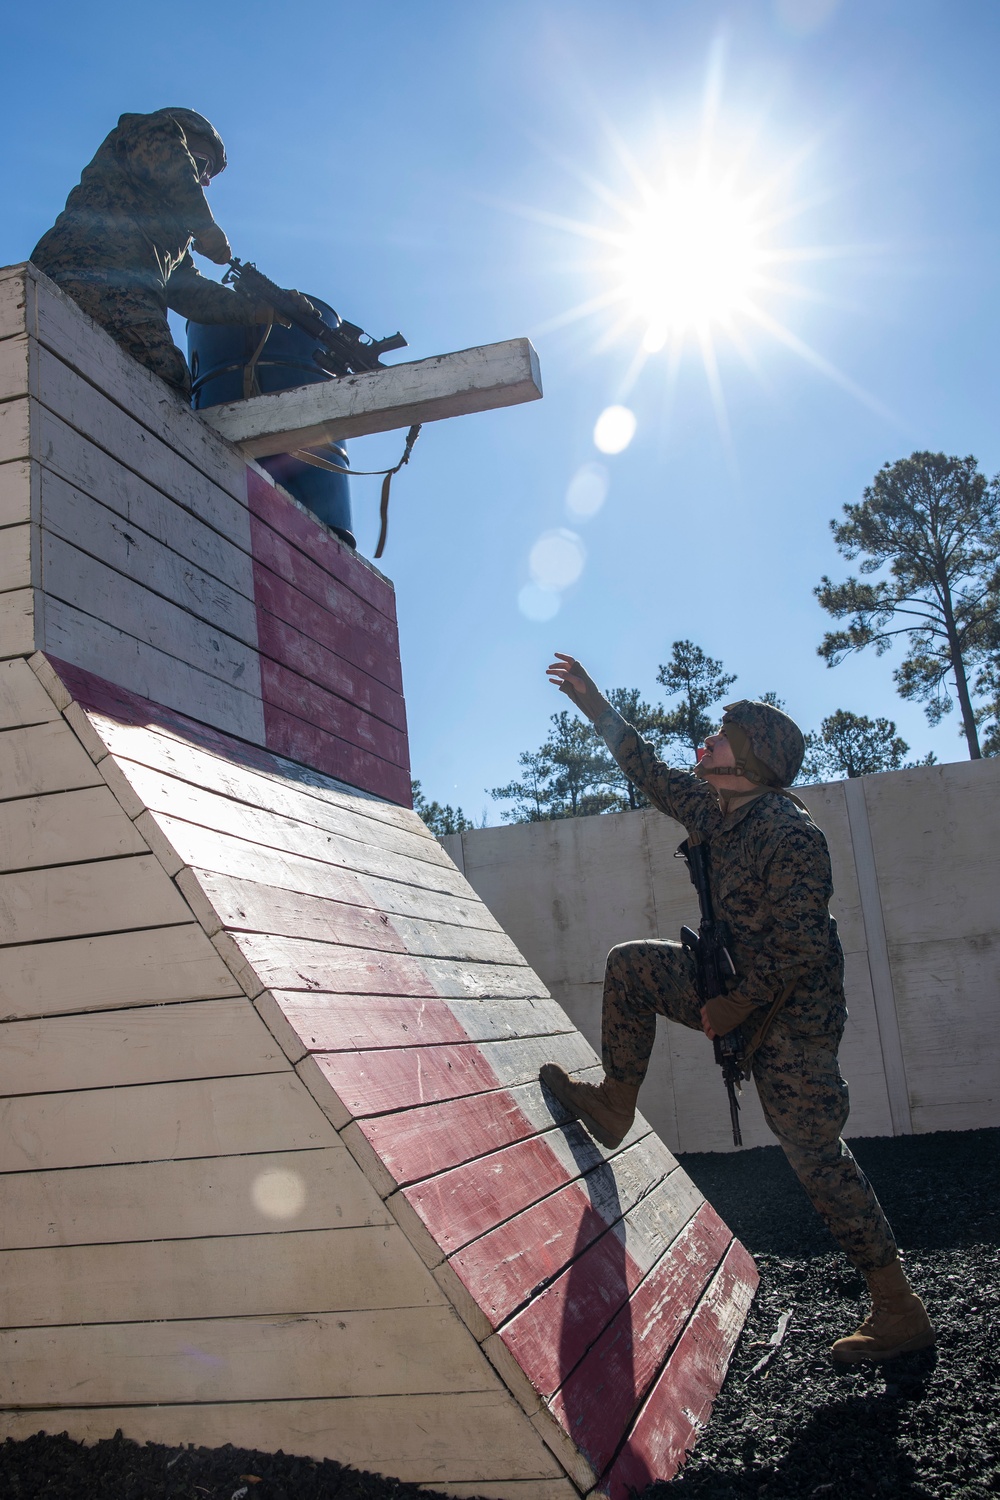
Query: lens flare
[(278, 1194), (556, 560), (614, 429), (587, 491)]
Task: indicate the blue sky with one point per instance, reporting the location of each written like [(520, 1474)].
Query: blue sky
[(420, 166)]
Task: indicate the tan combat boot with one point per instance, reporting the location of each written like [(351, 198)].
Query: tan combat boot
[(607, 1109), (897, 1323)]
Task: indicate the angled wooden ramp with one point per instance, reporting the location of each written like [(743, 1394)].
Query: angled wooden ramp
[(275, 1166)]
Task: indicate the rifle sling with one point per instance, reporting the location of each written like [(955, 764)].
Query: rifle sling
[(317, 462), (761, 1033)]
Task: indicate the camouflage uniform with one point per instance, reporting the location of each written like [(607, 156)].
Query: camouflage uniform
[(771, 883), (120, 246)]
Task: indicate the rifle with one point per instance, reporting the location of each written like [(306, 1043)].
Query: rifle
[(715, 970), (345, 350)]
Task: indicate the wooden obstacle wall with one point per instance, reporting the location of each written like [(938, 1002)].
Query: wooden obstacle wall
[(275, 1166)]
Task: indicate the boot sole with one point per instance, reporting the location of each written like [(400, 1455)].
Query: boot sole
[(911, 1346), (605, 1137)]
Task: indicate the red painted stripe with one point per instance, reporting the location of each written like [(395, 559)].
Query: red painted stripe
[(329, 621), (370, 1083), (328, 1023), (328, 667), (680, 1402), (502, 1269), (323, 752), (460, 1205), (285, 689), (598, 1398), (341, 562), (422, 1142)]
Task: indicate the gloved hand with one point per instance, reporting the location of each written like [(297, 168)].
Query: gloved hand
[(212, 243), (570, 678), (263, 312), (305, 305)]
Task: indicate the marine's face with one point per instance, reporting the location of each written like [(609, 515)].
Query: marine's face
[(718, 752)]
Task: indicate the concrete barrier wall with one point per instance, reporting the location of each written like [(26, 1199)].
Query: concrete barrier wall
[(916, 866)]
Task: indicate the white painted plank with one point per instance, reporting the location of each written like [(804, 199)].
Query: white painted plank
[(249, 906), (157, 1122), (120, 602), (15, 435), (371, 1353), (15, 557), (75, 900), (23, 699), (81, 346), (204, 522), (43, 758), (252, 807), (150, 966), (14, 367), (18, 622), (15, 492), (12, 301), (111, 653), (264, 1193), (63, 828), (236, 1276), (91, 529), (425, 390), (423, 1439), (147, 1044)]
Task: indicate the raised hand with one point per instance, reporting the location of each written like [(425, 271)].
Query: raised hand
[(571, 678)]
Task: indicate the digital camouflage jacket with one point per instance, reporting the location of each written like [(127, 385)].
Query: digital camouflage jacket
[(127, 225), (771, 883)]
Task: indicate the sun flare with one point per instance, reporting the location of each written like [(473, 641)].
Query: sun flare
[(690, 258)]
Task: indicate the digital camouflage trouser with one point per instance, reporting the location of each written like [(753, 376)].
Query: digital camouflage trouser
[(135, 320), (802, 1093)]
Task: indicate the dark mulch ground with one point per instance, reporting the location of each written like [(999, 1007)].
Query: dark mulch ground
[(923, 1427)]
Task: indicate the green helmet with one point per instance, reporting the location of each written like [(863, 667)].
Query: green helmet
[(200, 133)]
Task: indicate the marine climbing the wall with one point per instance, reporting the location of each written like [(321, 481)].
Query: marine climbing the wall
[(771, 884), (121, 248)]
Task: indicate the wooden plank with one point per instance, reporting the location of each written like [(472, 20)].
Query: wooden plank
[(520, 1253), (12, 300), (15, 557), (402, 1351), (285, 687), (597, 1401), (155, 1122), (332, 1023), (290, 963), (15, 492), (18, 622), (91, 529), (426, 390), (193, 752), (147, 1044), (95, 646), (300, 527), (89, 586), (419, 1439), (265, 1193), (201, 521), (45, 757), (14, 367), (422, 1142), (65, 827), (23, 699), (148, 966), (75, 900), (233, 1276), (74, 346), (329, 667), (290, 588), (251, 906), (291, 736), (680, 1402), (15, 433)]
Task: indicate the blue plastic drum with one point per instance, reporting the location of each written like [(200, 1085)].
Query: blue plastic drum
[(220, 356)]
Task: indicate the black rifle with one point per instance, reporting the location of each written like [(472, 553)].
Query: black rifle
[(715, 970), (345, 350)]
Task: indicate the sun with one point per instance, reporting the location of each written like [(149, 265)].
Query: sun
[(691, 258)]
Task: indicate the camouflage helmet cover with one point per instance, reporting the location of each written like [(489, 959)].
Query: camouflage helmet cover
[(768, 742), (197, 131)]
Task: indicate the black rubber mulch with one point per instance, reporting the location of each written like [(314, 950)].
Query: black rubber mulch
[(926, 1426)]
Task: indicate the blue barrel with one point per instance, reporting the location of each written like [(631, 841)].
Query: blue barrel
[(219, 354)]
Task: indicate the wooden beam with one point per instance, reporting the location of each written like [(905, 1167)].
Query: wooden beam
[(447, 385)]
